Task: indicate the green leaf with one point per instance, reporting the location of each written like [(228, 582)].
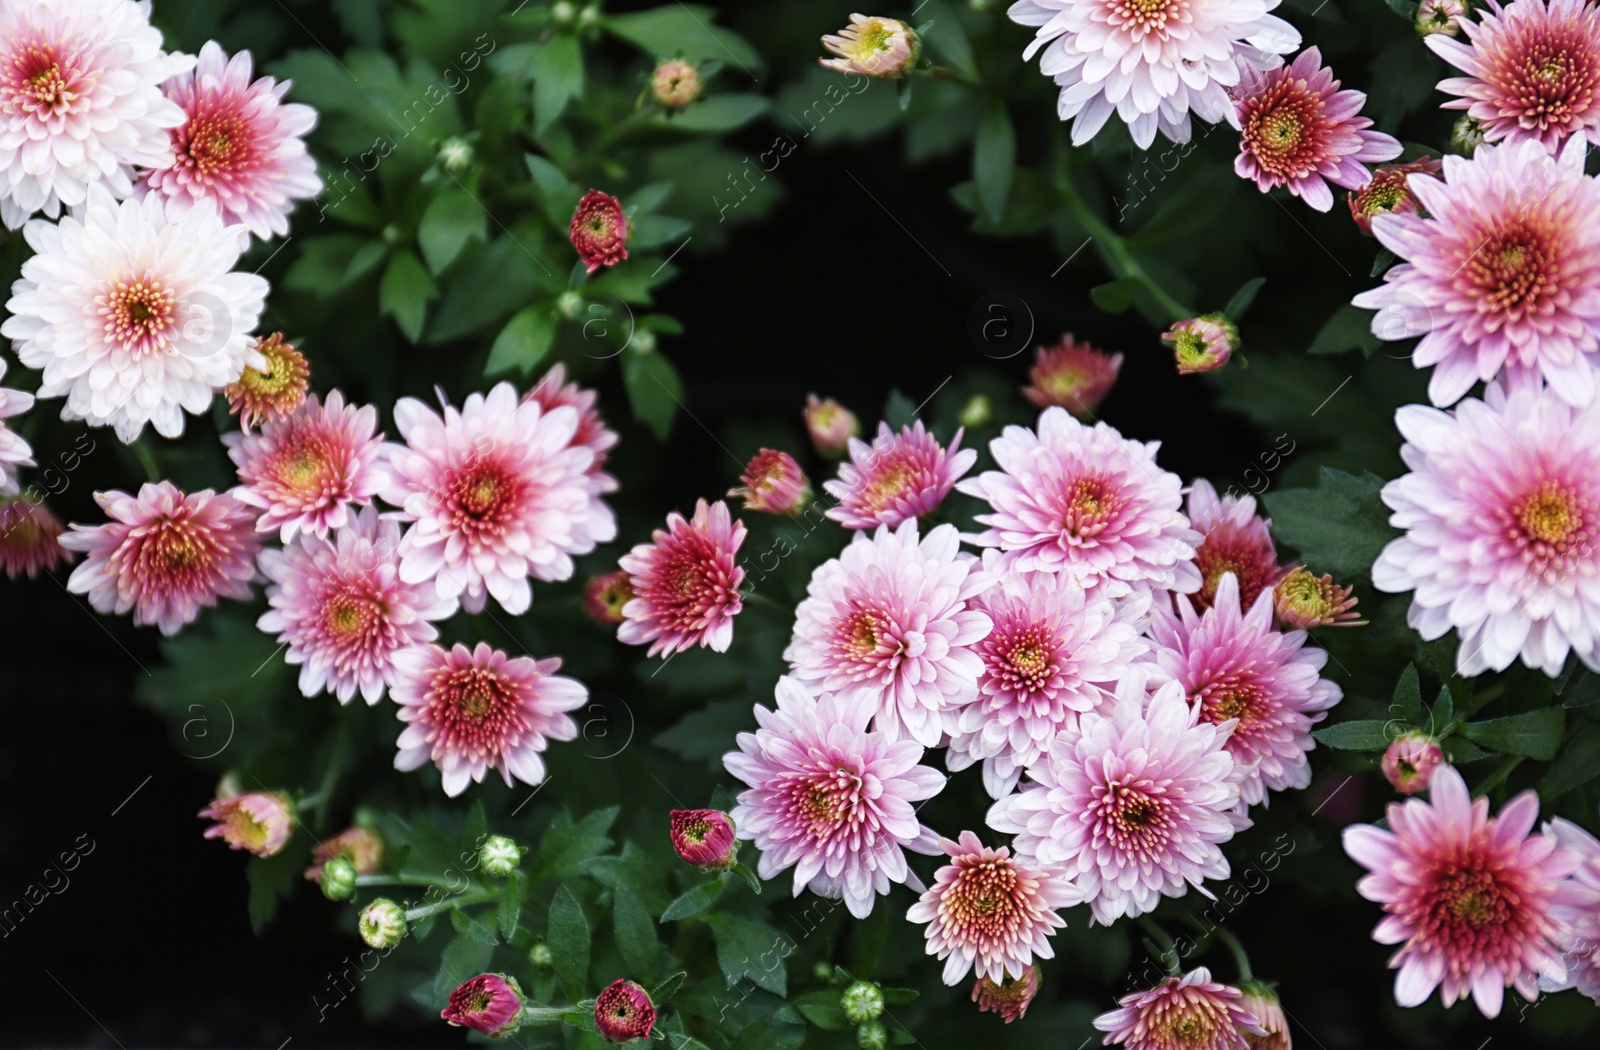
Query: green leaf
[(1443, 713), (324, 263), (1243, 298), (1339, 527), (634, 869), (488, 287), (467, 926), (1578, 763), (686, 30), (405, 291), (509, 908), (523, 342), (651, 231), (451, 221), (899, 996), (747, 948), (566, 845), (463, 959), (719, 113), (1460, 750), (1583, 691), (1350, 328), (1382, 261), (822, 1009), (899, 411), (1116, 296), (557, 195), (708, 733), (654, 391), (668, 987), (271, 880), (1365, 735), (1536, 734), (1408, 696), (693, 902), (994, 160), (568, 938), (948, 37), (1406, 9), (636, 933), (557, 69)]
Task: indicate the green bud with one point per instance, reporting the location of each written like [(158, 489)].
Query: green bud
[(590, 16), (455, 154), (569, 303), (872, 1036), (862, 1003), (976, 412), (563, 13), (338, 879), (540, 955), (499, 856), (644, 342), (382, 923)]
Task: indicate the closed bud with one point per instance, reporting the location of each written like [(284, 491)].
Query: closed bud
[(624, 1012), (382, 923), (976, 412), (540, 955), (862, 1002), (499, 856), (1410, 760), (1466, 136), (563, 12), (490, 1003), (675, 83), (773, 484), (569, 304), (605, 596), (872, 1036), (830, 425), (455, 154), (599, 230), (705, 838), (1262, 1001), (338, 879), (1202, 344)]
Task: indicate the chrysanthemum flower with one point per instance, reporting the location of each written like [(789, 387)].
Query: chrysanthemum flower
[(1440, 16), (490, 1003), (473, 710), (623, 1012), (30, 539), (1388, 193), (1579, 917), (1055, 650), (1263, 1003), (1502, 518), (551, 392), (261, 395), (14, 451), (1086, 501), (362, 847), (239, 146), (1072, 374), (1202, 344), (830, 425), (599, 230), (1133, 801), (891, 620), (80, 101), (1471, 899), (133, 317), (896, 478), (499, 493), (604, 597), (1237, 540), (305, 470), (989, 912), (1409, 761), (873, 46), (830, 799), (342, 609), (1191, 1012), (1533, 71), (1008, 998), (1301, 132), (773, 483), (705, 838), (1152, 63), (259, 822), (1503, 273), (1304, 601), (165, 555), (685, 583)]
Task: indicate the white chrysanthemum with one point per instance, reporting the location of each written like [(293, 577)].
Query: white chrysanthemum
[(80, 101), (132, 317), (1152, 62), (14, 451)]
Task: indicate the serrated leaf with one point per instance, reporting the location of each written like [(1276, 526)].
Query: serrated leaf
[(1407, 701), (568, 938), (1364, 735), (509, 908), (994, 160), (1576, 765), (708, 733), (948, 37), (1536, 734), (635, 933), (686, 30), (636, 870), (750, 949), (1339, 527), (693, 902), (488, 287), (566, 846), (654, 391), (453, 220), (463, 959), (271, 880), (557, 195), (1243, 298), (405, 291), (523, 342)]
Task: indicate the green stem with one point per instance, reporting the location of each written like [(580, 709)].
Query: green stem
[(1116, 253), (146, 460), (542, 1014), (761, 601), (418, 914), (941, 73), (402, 880), (1239, 957), (1498, 777), (1163, 941)]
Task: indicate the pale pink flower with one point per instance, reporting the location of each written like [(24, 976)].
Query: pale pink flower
[(773, 483), (830, 799), (989, 912), (1578, 936), (1202, 344), (165, 555), (830, 425), (1133, 802), (30, 538), (1236, 540), (896, 478), (1503, 273), (1390, 192), (685, 583), (1471, 899), (1072, 374), (14, 450), (1191, 1012), (1008, 998), (876, 47), (891, 620), (341, 608), (1086, 501), (1501, 512), (552, 391), (473, 710), (259, 822), (240, 146), (306, 470), (499, 493), (1533, 70)]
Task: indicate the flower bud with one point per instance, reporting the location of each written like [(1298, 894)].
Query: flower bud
[(1304, 601), (563, 12), (362, 847), (540, 955), (569, 304), (830, 425), (1389, 193), (382, 923), (704, 838), (590, 16), (643, 342), (1262, 1001), (1466, 136), (490, 1003), (823, 971), (599, 230), (338, 879), (873, 46), (1440, 16), (499, 856), (624, 1012), (1010, 997), (259, 821), (675, 83), (1202, 344), (872, 1036), (30, 538), (862, 1002), (773, 484), (1073, 375), (976, 412), (455, 154), (605, 596), (1410, 760)]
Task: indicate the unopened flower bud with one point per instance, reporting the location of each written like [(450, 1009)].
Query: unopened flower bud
[(1202, 344), (490, 1003), (873, 46), (830, 425), (259, 821), (862, 1002), (569, 304), (563, 13), (872, 1036), (1010, 997), (624, 1012), (976, 412), (382, 923), (773, 484), (338, 879), (361, 846), (590, 16), (499, 856), (1262, 1001), (540, 955), (605, 596), (1389, 192), (455, 154), (1410, 760), (1440, 16), (1466, 136), (1304, 601), (675, 83), (823, 971), (704, 838)]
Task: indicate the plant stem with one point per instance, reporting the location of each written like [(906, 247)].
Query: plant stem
[(542, 1014), (1498, 777), (1239, 956), (1115, 251), (146, 460), (418, 914), (1163, 941), (400, 880)]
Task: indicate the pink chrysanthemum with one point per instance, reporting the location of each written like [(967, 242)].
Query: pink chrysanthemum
[(1055, 649), (604, 597), (1008, 998), (1191, 1012), (1503, 273), (1086, 501), (685, 583), (1237, 540), (14, 451), (599, 230), (499, 493), (1471, 899), (1202, 344), (991, 913), (1533, 71), (623, 1012), (1502, 518), (164, 554), (1151, 62), (891, 620), (1409, 761), (1235, 668), (259, 822), (1389, 192), (490, 1003), (1072, 374), (342, 609), (473, 710), (1301, 132), (553, 392), (30, 539), (896, 478), (1579, 915), (1132, 802), (361, 846), (240, 146), (305, 470), (773, 483), (830, 799), (830, 425)]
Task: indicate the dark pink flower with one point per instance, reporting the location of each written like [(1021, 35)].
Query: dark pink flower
[(600, 230), (490, 1003), (624, 1012), (704, 837)]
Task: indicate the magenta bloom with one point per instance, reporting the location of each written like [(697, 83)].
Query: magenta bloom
[(830, 425), (473, 710), (304, 470), (685, 583), (1579, 914), (490, 1003), (599, 230), (704, 838), (259, 822), (1055, 650), (1389, 192), (1008, 998), (1191, 1012), (604, 597), (990, 912), (342, 609), (1237, 540), (1501, 532), (1409, 762), (30, 539), (1471, 899), (499, 493), (1300, 131), (830, 799), (1086, 501), (773, 483), (1533, 71), (891, 620), (1073, 375), (1132, 803), (164, 554), (624, 1012), (240, 146), (553, 392), (1503, 273), (1234, 667), (896, 478)]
